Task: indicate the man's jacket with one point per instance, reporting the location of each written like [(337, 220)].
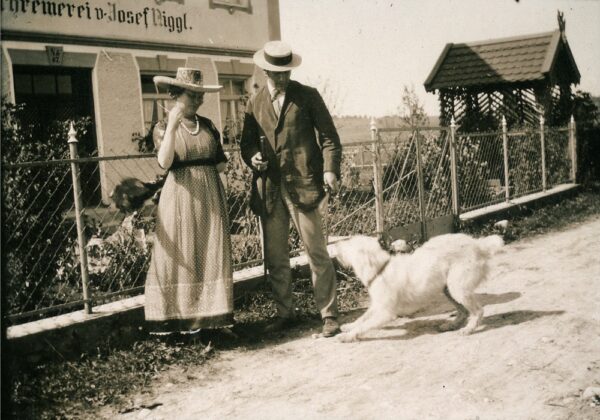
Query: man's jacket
[(300, 145)]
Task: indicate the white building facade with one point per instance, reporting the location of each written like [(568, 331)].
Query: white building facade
[(96, 58)]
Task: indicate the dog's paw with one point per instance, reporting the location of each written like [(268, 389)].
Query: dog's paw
[(466, 331), (346, 337), (346, 327)]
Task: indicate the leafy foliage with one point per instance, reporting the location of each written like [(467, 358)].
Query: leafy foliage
[(411, 111), (40, 249), (587, 117), (35, 200), (120, 260)]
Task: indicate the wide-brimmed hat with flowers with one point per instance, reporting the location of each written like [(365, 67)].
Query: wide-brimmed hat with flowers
[(277, 56), (187, 78)]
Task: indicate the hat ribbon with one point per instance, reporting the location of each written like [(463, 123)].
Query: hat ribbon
[(278, 61)]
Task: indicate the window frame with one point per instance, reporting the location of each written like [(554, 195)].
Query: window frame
[(159, 99), (241, 5), (236, 104)]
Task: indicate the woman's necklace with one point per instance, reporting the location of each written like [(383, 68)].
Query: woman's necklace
[(196, 131)]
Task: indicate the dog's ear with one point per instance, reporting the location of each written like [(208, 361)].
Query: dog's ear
[(385, 241)]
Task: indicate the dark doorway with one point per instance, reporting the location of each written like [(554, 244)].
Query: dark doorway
[(59, 94)]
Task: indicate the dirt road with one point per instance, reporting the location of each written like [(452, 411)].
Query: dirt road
[(537, 350)]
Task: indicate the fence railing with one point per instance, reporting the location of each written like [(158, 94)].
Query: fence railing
[(65, 247)]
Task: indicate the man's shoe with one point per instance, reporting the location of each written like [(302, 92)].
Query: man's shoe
[(277, 324), (330, 327)]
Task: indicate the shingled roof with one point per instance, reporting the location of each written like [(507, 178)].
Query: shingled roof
[(497, 62)]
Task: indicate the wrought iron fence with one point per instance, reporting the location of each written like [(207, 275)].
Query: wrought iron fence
[(66, 247)]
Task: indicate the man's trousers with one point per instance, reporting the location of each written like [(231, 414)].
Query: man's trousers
[(308, 225)]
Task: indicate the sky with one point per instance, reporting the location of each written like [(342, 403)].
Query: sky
[(363, 52)]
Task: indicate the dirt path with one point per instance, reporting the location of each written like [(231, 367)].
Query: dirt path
[(539, 347)]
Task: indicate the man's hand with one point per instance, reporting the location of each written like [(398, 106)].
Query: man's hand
[(331, 181), (257, 162)]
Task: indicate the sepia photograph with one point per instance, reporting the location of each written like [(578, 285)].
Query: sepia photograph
[(300, 209)]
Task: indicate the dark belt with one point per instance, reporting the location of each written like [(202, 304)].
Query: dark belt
[(193, 162)]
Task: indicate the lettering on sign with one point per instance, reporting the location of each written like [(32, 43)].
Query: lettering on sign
[(112, 13)]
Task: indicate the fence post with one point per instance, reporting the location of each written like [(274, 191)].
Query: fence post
[(505, 151), (573, 146), (377, 178), (454, 170), (421, 184), (83, 261), (543, 148)]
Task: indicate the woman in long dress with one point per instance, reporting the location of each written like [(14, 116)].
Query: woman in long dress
[(189, 283)]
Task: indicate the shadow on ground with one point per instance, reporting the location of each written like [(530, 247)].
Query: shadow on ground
[(513, 318), (419, 327), (442, 305), (249, 334)]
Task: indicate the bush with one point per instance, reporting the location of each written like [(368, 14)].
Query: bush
[(587, 118), (34, 202)]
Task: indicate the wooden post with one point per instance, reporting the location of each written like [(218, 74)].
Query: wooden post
[(421, 185), (505, 150), (573, 146), (83, 261), (454, 170), (377, 178), (543, 150)]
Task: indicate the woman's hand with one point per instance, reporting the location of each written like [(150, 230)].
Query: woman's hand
[(175, 116)]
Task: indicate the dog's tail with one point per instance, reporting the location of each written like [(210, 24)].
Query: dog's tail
[(490, 244)]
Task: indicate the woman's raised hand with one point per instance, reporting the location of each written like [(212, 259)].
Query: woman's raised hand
[(175, 116)]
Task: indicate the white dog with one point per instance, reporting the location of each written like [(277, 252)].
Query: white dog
[(453, 264)]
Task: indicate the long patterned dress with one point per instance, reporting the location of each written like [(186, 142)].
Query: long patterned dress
[(189, 284)]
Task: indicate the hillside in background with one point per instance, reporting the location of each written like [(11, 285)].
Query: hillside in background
[(357, 129)]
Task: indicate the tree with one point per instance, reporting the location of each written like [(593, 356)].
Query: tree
[(587, 118), (330, 94), (411, 110)]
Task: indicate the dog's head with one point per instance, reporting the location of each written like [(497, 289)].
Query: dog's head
[(363, 254)]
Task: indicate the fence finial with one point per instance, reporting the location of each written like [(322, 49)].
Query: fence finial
[(373, 124), (542, 120), (572, 119), (72, 133), (452, 122), (503, 121)]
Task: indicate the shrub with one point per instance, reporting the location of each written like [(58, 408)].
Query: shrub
[(35, 200)]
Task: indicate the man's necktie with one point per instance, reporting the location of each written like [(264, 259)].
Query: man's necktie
[(275, 100)]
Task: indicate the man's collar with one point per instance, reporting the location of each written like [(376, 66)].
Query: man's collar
[(271, 87)]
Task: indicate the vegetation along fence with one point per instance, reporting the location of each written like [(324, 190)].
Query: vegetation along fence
[(65, 247)]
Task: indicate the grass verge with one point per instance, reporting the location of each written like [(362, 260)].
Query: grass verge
[(552, 217), (69, 389)]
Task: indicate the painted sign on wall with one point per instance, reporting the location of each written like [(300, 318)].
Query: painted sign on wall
[(191, 22)]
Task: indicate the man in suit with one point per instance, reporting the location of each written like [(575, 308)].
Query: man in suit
[(302, 154)]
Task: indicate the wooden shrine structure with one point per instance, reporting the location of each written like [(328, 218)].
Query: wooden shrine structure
[(521, 78)]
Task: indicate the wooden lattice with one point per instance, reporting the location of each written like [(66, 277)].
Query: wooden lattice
[(482, 110)]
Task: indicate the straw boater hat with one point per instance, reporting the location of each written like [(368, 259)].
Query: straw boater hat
[(277, 56), (187, 78)]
